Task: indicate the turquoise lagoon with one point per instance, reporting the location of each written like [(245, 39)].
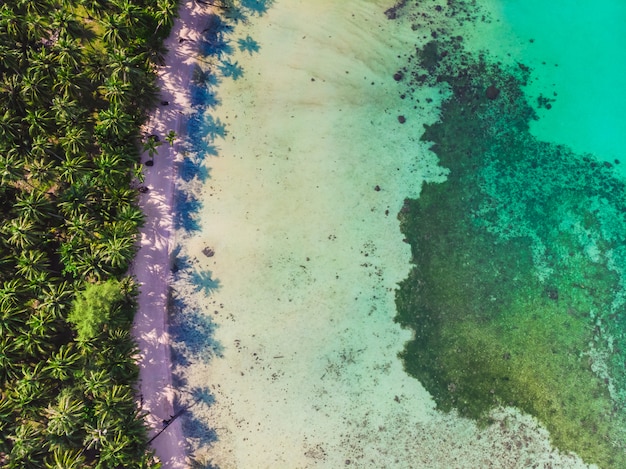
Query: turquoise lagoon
[(402, 226)]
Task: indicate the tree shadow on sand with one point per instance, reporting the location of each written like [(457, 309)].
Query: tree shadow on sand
[(192, 335), (248, 45), (190, 168), (192, 329), (231, 70), (257, 7), (204, 282), (192, 341), (214, 42), (191, 402), (186, 207)]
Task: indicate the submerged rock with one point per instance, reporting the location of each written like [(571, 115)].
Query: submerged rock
[(492, 92)]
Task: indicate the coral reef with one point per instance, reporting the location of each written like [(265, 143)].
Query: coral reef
[(516, 297)]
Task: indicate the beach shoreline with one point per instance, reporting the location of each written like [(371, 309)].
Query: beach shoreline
[(313, 162), (152, 265)]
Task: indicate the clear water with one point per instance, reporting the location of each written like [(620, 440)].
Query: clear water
[(293, 272), (575, 49)]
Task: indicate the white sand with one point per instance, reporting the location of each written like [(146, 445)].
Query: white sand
[(308, 259), (152, 264)]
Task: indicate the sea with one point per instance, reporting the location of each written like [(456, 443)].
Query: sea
[(401, 236)]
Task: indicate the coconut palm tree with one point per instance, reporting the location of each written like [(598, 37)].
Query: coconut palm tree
[(96, 68), (115, 200), (117, 448), (109, 170), (130, 15), (42, 173), (96, 382), (27, 390), (118, 251), (27, 446), (42, 64), (9, 126), (10, 94), (120, 352), (67, 82), (126, 66), (95, 8), (164, 13), (68, 113), (90, 264), (36, 27), (56, 298), (38, 121), (42, 147), (32, 262), (151, 145), (117, 402), (43, 323), (34, 88), (21, 233), (38, 281), (9, 368), (12, 321), (81, 225), (65, 458), (116, 33), (68, 52), (12, 294), (74, 142), (11, 167), (171, 137), (33, 206), (34, 7), (67, 26), (63, 364), (65, 416), (115, 90), (130, 214), (9, 58), (11, 23), (34, 346), (114, 123)]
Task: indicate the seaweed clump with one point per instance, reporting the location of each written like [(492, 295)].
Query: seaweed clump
[(516, 295)]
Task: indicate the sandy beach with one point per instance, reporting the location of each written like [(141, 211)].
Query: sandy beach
[(300, 211), (153, 261)]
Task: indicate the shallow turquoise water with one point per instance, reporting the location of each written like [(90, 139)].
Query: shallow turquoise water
[(577, 51)]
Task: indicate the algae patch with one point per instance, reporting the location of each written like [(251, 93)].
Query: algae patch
[(516, 297)]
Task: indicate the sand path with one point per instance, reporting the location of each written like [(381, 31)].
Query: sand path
[(152, 264)]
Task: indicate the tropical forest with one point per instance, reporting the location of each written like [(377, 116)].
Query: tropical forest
[(77, 79)]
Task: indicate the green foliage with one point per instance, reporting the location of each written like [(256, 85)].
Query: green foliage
[(151, 145), (76, 80), (171, 137), (95, 309)]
